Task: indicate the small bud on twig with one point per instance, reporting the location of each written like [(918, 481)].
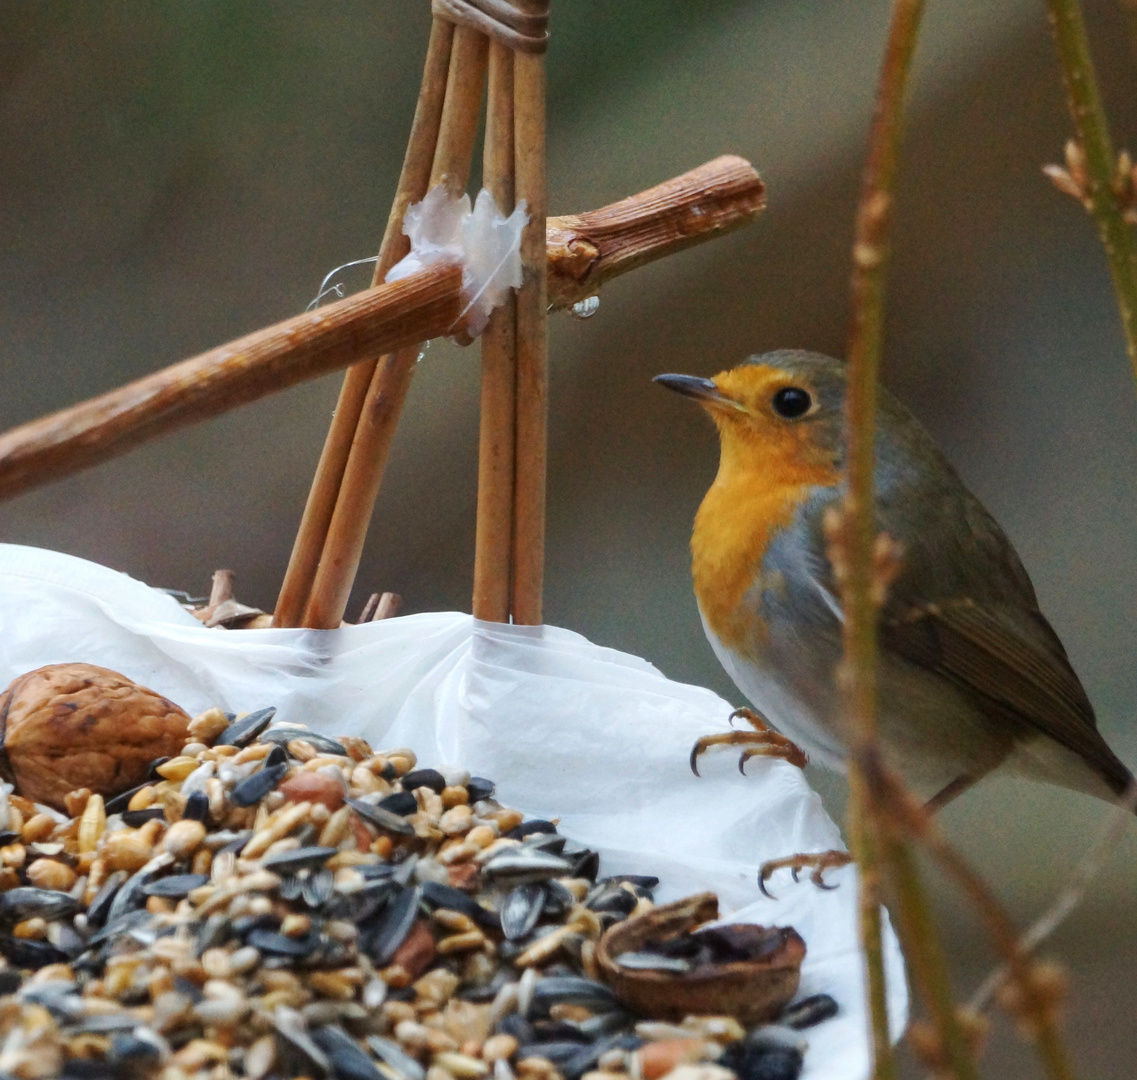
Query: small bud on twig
[(1072, 180), (1125, 187), (887, 554), (1039, 1002)]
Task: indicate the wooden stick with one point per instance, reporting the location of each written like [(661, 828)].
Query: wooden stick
[(586, 250), (412, 187), (532, 371), (362, 478), (494, 536), (222, 588), (459, 129), (388, 607), (306, 346), (313, 344), (367, 460), (369, 608), (380, 607)]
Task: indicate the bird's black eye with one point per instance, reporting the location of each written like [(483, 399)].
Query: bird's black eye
[(792, 402)]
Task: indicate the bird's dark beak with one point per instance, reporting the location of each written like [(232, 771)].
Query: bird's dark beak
[(702, 390)]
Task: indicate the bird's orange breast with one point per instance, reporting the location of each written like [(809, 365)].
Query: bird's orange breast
[(744, 509)]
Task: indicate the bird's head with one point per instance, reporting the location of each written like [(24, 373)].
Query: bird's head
[(781, 412)]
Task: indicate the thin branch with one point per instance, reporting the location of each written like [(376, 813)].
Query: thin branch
[(870, 253), (1037, 1010), (383, 405), (925, 955), (1067, 900), (1101, 165), (586, 250)]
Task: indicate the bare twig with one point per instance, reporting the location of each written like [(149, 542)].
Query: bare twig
[(371, 444), (222, 588), (925, 955), (369, 608), (1101, 164), (1067, 900), (389, 604), (1036, 1007), (380, 606), (870, 253), (586, 250)]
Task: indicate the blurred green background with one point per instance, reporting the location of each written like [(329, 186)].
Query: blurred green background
[(176, 174)]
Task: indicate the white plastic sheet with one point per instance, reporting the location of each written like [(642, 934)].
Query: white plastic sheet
[(566, 728)]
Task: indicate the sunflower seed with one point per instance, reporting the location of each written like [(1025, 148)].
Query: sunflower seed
[(401, 802), (25, 902), (428, 778), (303, 858), (283, 734), (176, 886), (381, 818), (391, 1053), (244, 731), (383, 940), (809, 1011), (347, 1060), (254, 788), (522, 909)]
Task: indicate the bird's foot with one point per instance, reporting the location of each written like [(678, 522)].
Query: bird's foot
[(763, 741), (817, 862)]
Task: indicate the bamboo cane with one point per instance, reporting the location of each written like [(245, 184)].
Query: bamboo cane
[(412, 187), (367, 459), (532, 370), (494, 535)]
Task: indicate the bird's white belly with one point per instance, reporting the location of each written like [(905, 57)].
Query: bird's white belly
[(783, 709)]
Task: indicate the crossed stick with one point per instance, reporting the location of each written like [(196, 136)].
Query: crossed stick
[(584, 251), (490, 48)]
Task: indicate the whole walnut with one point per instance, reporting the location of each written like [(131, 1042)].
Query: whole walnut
[(68, 726)]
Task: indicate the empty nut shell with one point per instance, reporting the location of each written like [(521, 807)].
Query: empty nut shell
[(753, 989)]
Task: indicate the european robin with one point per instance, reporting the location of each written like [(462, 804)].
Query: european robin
[(972, 676)]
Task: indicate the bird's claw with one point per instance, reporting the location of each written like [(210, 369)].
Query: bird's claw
[(817, 862), (763, 741)]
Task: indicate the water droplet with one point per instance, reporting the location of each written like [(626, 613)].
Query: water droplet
[(586, 308)]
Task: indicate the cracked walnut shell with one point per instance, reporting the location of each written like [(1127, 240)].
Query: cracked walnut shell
[(68, 726)]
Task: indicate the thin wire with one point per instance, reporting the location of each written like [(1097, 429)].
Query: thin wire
[(337, 288)]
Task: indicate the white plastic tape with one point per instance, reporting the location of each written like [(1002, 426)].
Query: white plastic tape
[(483, 241)]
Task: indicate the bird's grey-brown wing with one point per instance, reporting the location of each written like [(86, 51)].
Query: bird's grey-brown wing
[(981, 650), (964, 607)]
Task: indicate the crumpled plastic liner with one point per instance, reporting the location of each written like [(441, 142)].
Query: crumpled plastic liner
[(567, 729)]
